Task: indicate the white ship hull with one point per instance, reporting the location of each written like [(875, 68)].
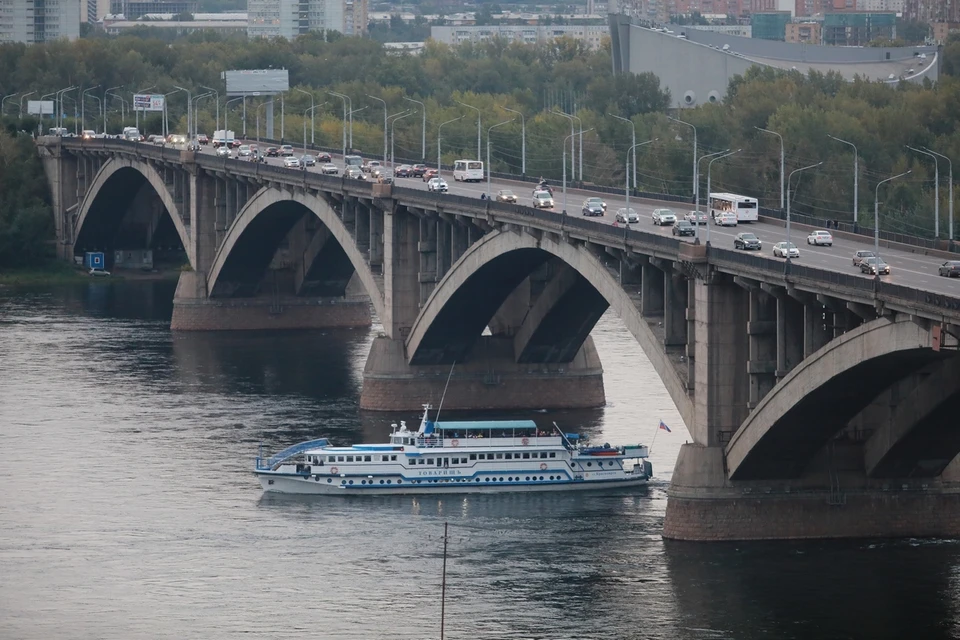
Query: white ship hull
[(297, 484)]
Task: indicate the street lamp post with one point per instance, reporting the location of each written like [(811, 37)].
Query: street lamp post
[(123, 115), (936, 190), (166, 124), (309, 110), (60, 95), (262, 104), (226, 117), (626, 191), (572, 150), (709, 168), (789, 178), (696, 182), (564, 145), (478, 124), (105, 93), (856, 176), (423, 128), (136, 111), (344, 99), (42, 98), (633, 141), (523, 140), (20, 112), (500, 124), (439, 156), (99, 107), (217, 117), (950, 221), (312, 121), (196, 109), (876, 219), (189, 103), (384, 125), (781, 162), (699, 160), (4, 99), (393, 130)]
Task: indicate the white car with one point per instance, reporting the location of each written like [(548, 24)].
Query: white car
[(329, 169), (244, 151), (223, 152), (664, 216), (780, 250), (438, 185), (820, 238), (291, 162), (542, 200), (627, 216), (725, 219), (696, 217)]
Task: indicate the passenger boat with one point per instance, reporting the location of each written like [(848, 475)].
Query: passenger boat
[(495, 456)]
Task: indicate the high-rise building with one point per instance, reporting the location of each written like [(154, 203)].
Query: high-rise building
[(290, 18), (34, 21), (932, 10), (94, 10)]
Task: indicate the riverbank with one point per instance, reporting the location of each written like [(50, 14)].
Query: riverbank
[(61, 273)]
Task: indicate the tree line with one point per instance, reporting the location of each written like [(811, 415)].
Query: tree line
[(494, 76)]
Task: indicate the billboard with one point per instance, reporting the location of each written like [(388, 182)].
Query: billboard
[(257, 82), (147, 102), (40, 107)]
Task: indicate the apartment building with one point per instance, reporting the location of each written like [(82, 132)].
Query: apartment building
[(32, 21), (290, 18), (592, 35)]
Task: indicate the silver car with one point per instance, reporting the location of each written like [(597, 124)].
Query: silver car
[(223, 152), (291, 162), (664, 216), (780, 250), (329, 169), (627, 216)]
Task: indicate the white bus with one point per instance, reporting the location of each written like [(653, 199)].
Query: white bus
[(468, 171), (744, 206)]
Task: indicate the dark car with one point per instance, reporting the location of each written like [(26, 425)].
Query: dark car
[(592, 207), (403, 171), (950, 269), (273, 152), (203, 139), (747, 241), (323, 156), (875, 266), (683, 228), (419, 170), (429, 173)]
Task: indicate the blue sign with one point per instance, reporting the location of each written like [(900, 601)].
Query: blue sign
[(94, 260)]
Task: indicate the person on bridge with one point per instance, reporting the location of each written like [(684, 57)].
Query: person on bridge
[(483, 196)]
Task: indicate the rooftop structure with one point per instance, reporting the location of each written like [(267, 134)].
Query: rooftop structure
[(592, 35), (697, 66)]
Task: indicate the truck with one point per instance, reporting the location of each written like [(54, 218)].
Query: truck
[(223, 137)]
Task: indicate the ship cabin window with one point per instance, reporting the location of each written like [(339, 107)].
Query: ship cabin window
[(367, 458), (553, 454), (526, 456), (331, 458), (543, 454), (349, 458), (384, 458), (339, 458), (473, 456), (499, 456), (393, 458), (429, 460)]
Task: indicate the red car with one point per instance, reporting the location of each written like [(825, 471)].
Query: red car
[(273, 152), (323, 156), (403, 171), (429, 173)]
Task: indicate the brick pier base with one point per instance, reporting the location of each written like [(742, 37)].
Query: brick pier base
[(766, 510), (488, 380), (194, 313)]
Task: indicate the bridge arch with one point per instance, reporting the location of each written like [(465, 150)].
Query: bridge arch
[(522, 253), (116, 174), (820, 396), (256, 217)]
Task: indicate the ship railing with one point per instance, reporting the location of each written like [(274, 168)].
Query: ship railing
[(429, 442), (272, 461)]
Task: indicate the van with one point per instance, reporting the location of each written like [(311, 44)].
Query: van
[(353, 161), (57, 131), (132, 134)]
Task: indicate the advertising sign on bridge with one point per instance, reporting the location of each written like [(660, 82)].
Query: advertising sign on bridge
[(147, 102)]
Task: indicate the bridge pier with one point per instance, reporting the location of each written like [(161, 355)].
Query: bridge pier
[(489, 379)]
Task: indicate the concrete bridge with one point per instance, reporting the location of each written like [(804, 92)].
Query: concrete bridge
[(820, 403)]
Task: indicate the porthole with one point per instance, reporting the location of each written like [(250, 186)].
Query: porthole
[(329, 480), (381, 482), (589, 464), (528, 478), (389, 481), (351, 482), (399, 481)]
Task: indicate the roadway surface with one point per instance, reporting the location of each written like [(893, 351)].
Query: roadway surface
[(906, 268)]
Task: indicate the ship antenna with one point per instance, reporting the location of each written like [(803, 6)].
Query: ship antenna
[(436, 418)]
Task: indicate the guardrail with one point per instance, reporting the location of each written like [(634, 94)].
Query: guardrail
[(638, 240)]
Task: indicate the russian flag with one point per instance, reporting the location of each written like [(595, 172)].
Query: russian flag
[(664, 426)]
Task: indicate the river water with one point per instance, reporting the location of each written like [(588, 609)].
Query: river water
[(127, 507)]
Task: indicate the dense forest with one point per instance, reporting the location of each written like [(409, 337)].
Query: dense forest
[(880, 119), (26, 223)]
